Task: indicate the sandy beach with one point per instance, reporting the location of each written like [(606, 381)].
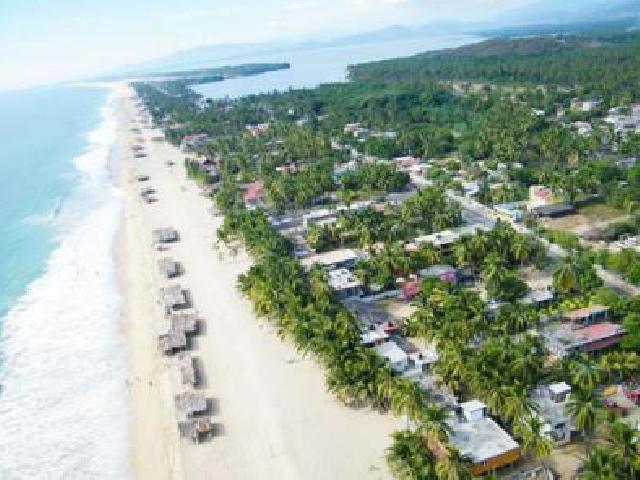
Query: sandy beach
[(272, 415)]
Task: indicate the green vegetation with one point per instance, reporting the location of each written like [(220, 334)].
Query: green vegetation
[(468, 115), (602, 64)]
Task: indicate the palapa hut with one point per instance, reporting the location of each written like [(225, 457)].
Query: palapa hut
[(189, 404), (172, 342), (173, 297), (168, 267), (188, 370), (185, 321), (195, 429), (164, 235)]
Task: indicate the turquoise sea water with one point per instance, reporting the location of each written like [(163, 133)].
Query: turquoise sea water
[(41, 131), (63, 410)]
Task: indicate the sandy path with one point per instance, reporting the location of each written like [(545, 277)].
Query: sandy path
[(273, 416)]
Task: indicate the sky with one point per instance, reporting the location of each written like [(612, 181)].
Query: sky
[(45, 41)]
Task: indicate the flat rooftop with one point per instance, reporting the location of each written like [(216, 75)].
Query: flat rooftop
[(447, 237), (585, 312), (343, 279), (334, 257), (480, 439)]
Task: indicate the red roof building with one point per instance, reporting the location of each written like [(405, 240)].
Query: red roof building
[(254, 193), (600, 336), (410, 289)]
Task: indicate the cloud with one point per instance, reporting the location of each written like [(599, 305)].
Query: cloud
[(394, 3), (361, 4), (299, 6)]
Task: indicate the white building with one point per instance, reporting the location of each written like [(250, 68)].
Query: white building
[(343, 258), (344, 284), (446, 238), (539, 196), (552, 401), (392, 353), (481, 439)]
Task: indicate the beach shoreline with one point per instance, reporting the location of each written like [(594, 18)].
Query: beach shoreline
[(271, 412)]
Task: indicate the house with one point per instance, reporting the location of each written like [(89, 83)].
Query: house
[(343, 258), (588, 315), (389, 327), (626, 163), (344, 284), (288, 168), (538, 298), (356, 129), (392, 353), (389, 135), (373, 336), (622, 123), (444, 273), (539, 196), (194, 142), (583, 128), (478, 437), (470, 188), (551, 401), (343, 168), (566, 340), (555, 210), (349, 128), (406, 162), (257, 129), (446, 238), (321, 217), (410, 288), (209, 165), (422, 360), (253, 194), (585, 105), (509, 211), (617, 399)]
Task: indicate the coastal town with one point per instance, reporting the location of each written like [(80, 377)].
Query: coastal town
[(463, 256)]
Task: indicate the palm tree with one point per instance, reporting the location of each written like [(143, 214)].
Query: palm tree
[(534, 440), (408, 457), (585, 373), (520, 248), (584, 406), (432, 423), (430, 253), (494, 273), (452, 467), (565, 278), (598, 466), (460, 253), (405, 398), (626, 448)]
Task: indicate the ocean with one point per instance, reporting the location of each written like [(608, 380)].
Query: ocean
[(310, 67), (63, 412)]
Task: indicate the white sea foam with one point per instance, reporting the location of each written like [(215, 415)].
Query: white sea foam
[(63, 411)]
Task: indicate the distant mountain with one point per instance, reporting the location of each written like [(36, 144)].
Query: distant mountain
[(542, 17), (212, 55), (555, 12)]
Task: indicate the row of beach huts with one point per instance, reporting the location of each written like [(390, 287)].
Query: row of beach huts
[(181, 322)]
